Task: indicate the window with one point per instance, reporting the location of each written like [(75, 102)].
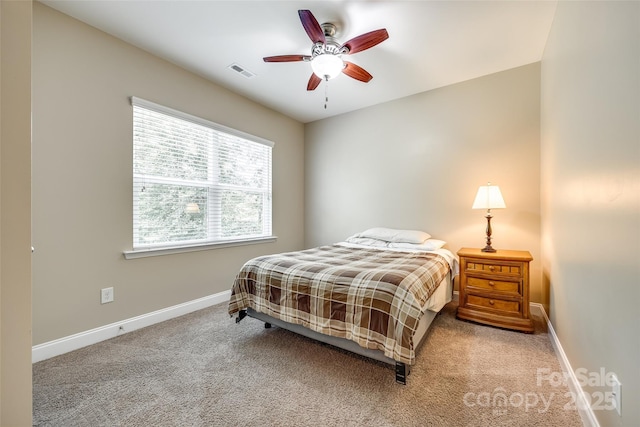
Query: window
[(196, 182)]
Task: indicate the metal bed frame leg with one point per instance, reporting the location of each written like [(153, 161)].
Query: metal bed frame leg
[(402, 371), (241, 315)]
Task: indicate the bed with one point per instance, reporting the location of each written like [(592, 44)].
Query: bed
[(374, 294)]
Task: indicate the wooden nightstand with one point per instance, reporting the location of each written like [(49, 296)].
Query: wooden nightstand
[(494, 288)]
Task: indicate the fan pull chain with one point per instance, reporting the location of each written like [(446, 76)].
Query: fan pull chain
[(326, 92)]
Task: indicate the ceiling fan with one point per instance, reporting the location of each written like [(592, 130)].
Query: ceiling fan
[(326, 52)]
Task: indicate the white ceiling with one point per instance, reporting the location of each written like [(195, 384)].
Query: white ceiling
[(431, 43)]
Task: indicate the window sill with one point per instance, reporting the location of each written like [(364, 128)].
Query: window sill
[(170, 250)]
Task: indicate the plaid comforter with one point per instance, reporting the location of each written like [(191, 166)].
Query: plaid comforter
[(371, 296)]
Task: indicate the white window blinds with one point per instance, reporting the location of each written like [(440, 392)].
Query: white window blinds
[(196, 182)]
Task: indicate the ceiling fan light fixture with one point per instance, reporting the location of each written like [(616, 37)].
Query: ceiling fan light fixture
[(326, 51), (327, 66)]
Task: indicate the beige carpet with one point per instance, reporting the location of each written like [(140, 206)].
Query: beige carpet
[(203, 369)]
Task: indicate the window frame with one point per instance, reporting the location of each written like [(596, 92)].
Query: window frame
[(198, 245)]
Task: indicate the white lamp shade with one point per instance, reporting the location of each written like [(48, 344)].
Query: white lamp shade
[(327, 65), (489, 197)]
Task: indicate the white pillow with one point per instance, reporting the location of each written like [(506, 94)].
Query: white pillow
[(427, 245), (393, 235), (367, 241)]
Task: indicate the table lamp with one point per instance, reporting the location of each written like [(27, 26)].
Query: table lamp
[(488, 197)]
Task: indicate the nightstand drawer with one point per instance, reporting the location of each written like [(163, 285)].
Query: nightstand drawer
[(494, 267), (494, 303), (509, 287)]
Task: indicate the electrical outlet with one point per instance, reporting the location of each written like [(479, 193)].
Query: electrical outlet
[(616, 389), (106, 295)]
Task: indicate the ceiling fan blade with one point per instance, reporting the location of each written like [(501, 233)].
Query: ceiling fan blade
[(367, 40), (286, 58), (356, 72), (311, 26), (314, 81)]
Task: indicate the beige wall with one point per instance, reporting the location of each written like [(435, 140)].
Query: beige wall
[(417, 163), (15, 221), (82, 179), (591, 191)]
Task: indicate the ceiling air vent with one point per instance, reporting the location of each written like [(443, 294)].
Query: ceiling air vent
[(242, 71)]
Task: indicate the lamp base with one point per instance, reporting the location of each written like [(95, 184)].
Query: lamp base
[(488, 248)]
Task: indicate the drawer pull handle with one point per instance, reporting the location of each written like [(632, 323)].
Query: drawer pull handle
[(491, 301), (491, 284), (491, 267)]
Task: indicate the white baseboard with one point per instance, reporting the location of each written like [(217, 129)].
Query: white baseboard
[(584, 409), (73, 342)]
